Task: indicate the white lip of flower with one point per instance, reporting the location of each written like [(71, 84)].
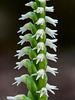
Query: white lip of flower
[(52, 70), (19, 80), (39, 57), (51, 56), (39, 10), (24, 28), (50, 42), (40, 46), (51, 88), (20, 64), (38, 34), (49, 9), (51, 21), (24, 38), (50, 32), (17, 97), (40, 21), (39, 74)]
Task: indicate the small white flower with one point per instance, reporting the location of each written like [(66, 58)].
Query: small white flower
[(39, 33), (40, 46), (39, 10), (17, 97), (42, 92), (24, 38), (52, 70), (51, 21), (20, 64), (50, 42), (49, 9), (50, 32), (29, 4), (39, 57), (39, 74), (40, 21), (51, 88), (24, 28), (43, 1), (51, 56), (19, 80)]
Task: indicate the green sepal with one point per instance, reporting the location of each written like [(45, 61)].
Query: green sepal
[(44, 98), (34, 17)]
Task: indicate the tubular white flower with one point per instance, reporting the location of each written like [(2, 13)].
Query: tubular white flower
[(52, 70), (40, 21), (39, 57), (24, 38), (17, 97), (19, 80), (24, 28), (51, 56), (20, 64), (42, 92), (51, 21), (29, 4), (39, 10), (40, 46), (51, 88), (38, 34), (49, 9), (50, 32), (39, 74), (50, 42)]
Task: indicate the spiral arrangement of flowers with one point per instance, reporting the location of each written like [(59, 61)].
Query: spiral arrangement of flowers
[(37, 65)]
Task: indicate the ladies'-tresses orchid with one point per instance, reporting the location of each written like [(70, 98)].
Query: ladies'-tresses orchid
[(37, 65)]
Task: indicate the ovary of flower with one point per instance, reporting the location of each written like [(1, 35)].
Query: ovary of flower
[(51, 21), (51, 88), (19, 80), (50, 42), (20, 64), (42, 92), (50, 32), (40, 21), (39, 74), (39, 33), (39, 57), (51, 56), (52, 70), (40, 46), (17, 97), (39, 10), (49, 9)]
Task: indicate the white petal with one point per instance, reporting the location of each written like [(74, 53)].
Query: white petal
[(39, 10), (51, 56), (49, 9), (40, 21), (51, 21)]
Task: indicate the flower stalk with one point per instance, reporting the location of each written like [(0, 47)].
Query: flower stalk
[(37, 65)]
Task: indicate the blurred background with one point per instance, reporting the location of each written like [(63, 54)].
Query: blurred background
[(10, 11)]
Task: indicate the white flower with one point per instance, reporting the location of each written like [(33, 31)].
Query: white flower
[(42, 92), (24, 38), (51, 21), (24, 28), (39, 57), (17, 97), (29, 4), (50, 42), (40, 46), (38, 34), (49, 9), (19, 80), (21, 52), (20, 64), (39, 74), (39, 10), (51, 88), (40, 21), (51, 56), (52, 70), (50, 32), (43, 1)]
